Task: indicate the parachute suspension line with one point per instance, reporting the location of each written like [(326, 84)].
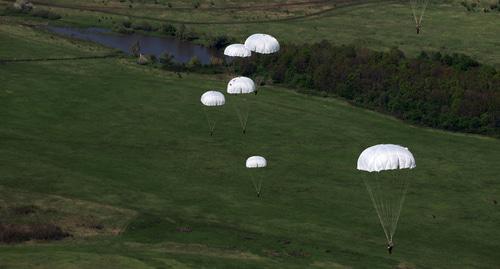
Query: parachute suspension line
[(211, 125), (426, 2), (404, 190), (413, 10), (376, 205), (387, 196), (415, 6), (242, 112), (257, 186)]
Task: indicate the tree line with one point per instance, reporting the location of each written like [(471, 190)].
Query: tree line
[(451, 92)]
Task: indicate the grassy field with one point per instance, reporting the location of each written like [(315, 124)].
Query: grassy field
[(128, 146), (447, 26)]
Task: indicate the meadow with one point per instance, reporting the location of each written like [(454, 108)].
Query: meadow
[(127, 147), (447, 26)]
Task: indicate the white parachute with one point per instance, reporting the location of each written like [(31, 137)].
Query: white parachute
[(237, 50), (387, 187), (240, 85), (239, 89), (212, 102), (256, 162), (262, 43)]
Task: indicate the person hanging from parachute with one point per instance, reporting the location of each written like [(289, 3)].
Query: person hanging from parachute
[(418, 8), (390, 246), (387, 183)]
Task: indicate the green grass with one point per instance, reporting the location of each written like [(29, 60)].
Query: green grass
[(132, 137), (447, 26)]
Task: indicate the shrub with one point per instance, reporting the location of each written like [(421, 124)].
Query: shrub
[(23, 6), (169, 29), (194, 62), (220, 41), (143, 26), (46, 14), (16, 233), (127, 24), (167, 59), (123, 30)]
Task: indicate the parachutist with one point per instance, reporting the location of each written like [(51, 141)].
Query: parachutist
[(390, 246), (418, 28)]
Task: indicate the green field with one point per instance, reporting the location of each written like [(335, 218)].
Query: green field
[(128, 146), (447, 26)]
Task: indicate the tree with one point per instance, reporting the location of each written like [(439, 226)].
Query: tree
[(135, 49)]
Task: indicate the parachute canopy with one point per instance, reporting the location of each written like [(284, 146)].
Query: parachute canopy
[(213, 98), (237, 50), (240, 85), (262, 43), (385, 157), (256, 162)]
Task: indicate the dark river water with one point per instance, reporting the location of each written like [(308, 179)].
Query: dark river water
[(181, 50)]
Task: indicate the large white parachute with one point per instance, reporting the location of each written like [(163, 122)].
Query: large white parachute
[(252, 163), (262, 43), (387, 187), (237, 50), (213, 98), (212, 101), (240, 85), (256, 162), (385, 157)]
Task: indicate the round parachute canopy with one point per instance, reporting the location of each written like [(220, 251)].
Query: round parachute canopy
[(262, 43), (240, 85), (256, 162), (237, 50), (385, 157), (213, 98)]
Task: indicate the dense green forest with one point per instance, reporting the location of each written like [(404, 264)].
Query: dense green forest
[(452, 92)]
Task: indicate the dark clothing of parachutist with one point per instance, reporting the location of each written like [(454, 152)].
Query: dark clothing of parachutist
[(418, 29), (390, 246)]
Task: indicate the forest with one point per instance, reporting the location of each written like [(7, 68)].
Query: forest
[(451, 92)]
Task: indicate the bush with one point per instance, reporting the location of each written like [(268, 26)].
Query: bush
[(143, 26), (17, 233), (169, 29), (167, 59), (143, 60), (123, 30), (46, 14), (194, 62), (220, 41), (127, 24), (23, 6)]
